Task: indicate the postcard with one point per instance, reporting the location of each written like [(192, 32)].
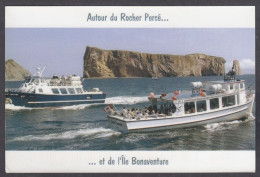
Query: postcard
[(129, 89)]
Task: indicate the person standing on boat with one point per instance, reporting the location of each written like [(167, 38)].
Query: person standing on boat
[(111, 111)]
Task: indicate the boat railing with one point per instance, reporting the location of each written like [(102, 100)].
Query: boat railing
[(137, 117)]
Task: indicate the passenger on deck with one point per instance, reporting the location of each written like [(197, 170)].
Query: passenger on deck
[(146, 114), (111, 111), (155, 108), (150, 109), (124, 112), (128, 115), (170, 113), (139, 113), (134, 111)]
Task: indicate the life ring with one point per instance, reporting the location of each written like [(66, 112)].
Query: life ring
[(8, 101)]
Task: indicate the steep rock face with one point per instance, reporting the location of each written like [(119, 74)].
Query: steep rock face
[(236, 66), (119, 63), (13, 71)]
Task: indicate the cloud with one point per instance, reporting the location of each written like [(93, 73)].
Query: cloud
[(247, 66)]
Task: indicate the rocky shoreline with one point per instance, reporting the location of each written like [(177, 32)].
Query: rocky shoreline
[(14, 71)]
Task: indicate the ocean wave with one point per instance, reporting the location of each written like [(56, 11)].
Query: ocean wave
[(221, 125), (132, 138), (78, 107), (97, 132), (112, 100), (126, 100)]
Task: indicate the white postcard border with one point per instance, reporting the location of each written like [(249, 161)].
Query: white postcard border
[(170, 16), (98, 161)]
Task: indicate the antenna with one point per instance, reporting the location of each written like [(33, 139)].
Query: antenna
[(39, 71), (40, 74)]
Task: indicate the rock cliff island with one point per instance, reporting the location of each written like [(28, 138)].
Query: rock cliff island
[(15, 72), (236, 66), (120, 63)]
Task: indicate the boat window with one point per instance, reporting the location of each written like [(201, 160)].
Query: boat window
[(241, 85), (36, 81), (63, 91), (201, 106), (79, 90), (189, 107), (40, 90), (55, 91), (71, 90), (231, 86), (166, 108), (228, 101), (214, 103)]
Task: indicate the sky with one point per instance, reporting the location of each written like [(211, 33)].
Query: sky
[(62, 49)]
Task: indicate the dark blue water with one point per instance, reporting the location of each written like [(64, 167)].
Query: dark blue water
[(85, 127)]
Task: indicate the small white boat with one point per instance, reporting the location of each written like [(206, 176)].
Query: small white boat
[(208, 102)]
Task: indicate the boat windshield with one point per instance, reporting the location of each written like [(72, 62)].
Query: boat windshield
[(166, 107), (27, 80), (162, 107)]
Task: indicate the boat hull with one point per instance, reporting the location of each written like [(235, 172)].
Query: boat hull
[(45, 100), (228, 114)]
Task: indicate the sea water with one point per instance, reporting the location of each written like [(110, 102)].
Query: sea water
[(85, 127)]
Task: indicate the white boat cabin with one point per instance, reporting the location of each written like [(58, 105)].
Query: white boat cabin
[(55, 85), (205, 97)]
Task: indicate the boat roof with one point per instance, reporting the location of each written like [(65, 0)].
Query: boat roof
[(223, 82), (187, 96)]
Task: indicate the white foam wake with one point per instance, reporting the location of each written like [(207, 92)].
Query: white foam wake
[(99, 132), (126, 100), (112, 100), (13, 107), (78, 107), (221, 125)]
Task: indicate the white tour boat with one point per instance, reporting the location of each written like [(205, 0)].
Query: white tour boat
[(37, 91), (208, 102)]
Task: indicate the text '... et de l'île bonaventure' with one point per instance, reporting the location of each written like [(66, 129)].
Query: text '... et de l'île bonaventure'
[(125, 17)]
